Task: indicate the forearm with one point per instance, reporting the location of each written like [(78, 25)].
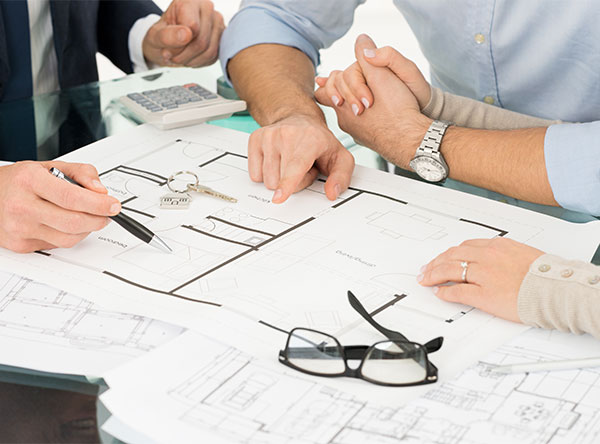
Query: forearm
[(470, 113), (286, 82), (508, 162)]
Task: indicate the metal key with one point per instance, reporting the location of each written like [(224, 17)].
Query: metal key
[(209, 191)]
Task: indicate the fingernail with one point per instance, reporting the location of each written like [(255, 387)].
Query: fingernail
[(435, 290), (98, 185), (115, 208), (419, 278), (370, 53), (167, 55), (277, 195), (423, 268), (181, 35), (335, 100), (337, 189), (355, 109), (365, 102)]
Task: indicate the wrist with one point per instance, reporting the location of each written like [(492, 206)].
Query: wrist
[(315, 118), (407, 137)]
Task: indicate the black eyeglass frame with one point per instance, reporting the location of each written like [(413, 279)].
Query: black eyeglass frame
[(361, 351)]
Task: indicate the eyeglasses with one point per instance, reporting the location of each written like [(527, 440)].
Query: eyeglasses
[(394, 362)]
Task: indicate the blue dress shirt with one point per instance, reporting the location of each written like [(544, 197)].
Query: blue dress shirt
[(533, 57)]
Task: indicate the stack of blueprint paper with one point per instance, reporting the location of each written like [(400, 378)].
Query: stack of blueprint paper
[(188, 342)]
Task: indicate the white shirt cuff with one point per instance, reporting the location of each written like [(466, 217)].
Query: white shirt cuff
[(136, 38)]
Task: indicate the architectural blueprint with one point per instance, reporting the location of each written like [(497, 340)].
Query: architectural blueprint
[(222, 394), (289, 265), (47, 329)]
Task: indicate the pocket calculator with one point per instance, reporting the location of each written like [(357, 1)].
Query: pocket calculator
[(180, 105)]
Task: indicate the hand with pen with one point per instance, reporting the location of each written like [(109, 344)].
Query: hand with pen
[(39, 212), (187, 34)]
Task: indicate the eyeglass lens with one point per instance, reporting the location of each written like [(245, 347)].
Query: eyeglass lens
[(395, 363), (315, 352)]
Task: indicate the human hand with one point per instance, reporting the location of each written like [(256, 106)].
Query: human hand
[(187, 34), (394, 125), (351, 86), (39, 211), (496, 269), (289, 154)]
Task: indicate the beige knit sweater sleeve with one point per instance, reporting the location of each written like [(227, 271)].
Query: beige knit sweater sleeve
[(562, 294), (470, 113)]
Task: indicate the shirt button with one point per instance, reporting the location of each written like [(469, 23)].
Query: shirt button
[(594, 280), (544, 268), (479, 38), (567, 272), (489, 100)]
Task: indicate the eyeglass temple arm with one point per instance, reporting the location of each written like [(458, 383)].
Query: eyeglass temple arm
[(390, 334), (431, 346), (434, 345)]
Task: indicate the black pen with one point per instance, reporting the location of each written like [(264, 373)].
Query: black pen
[(131, 225)]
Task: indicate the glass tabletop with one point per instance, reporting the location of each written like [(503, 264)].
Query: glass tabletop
[(40, 407)]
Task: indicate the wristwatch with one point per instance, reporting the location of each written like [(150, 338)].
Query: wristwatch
[(428, 162)]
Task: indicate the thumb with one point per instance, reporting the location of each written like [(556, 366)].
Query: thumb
[(172, 36), (84, 174), (364, 43), (405, 69)]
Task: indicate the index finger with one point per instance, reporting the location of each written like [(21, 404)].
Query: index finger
[(73, 197)]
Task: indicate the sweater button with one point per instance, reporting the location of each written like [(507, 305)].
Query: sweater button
[(566, 273), (544, 268), (594, 280)]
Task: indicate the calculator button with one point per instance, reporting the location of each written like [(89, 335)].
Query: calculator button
[(211, 96)]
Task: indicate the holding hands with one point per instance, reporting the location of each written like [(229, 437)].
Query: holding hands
[(351, 86), (393, 124)]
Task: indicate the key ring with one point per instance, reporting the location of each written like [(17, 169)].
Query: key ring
[(173, 176)]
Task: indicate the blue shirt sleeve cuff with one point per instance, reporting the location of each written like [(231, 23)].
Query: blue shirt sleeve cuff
[(253, 26), (572, 156)]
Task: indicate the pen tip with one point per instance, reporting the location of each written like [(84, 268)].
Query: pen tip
[(157, 242)]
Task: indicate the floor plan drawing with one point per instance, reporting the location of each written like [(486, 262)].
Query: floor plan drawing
[(34, 315), (218, 242), (220, 235), (282, 265), (232, 396)]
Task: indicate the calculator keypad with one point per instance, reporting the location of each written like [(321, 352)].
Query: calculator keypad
[(171, 98)]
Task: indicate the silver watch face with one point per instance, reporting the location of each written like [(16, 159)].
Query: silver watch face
[(429, 168)]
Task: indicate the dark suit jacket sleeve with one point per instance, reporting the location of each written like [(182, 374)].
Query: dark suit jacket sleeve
[(115, 19)]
